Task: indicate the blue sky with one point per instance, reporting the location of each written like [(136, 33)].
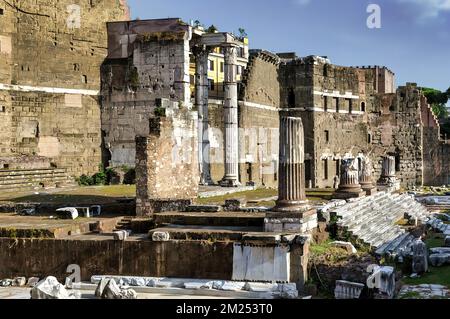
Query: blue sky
[(414, 39)]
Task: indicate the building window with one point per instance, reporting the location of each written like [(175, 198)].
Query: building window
[(336, 104), (212, 85), (291, 98), (363, 106), (325, 169), (327, 136), (325, 103), (1, 11), (222, 67), (350, 106), (84, 79), (369, 138), (2, 109), (211, 65)]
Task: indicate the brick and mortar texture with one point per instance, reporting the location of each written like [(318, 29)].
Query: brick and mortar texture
[(373, 120), (40, 50), (148, 60), (167, 172)]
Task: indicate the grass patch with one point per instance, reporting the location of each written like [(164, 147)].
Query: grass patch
[(435, 276), (80, 196), (248, 195), (320, 249)]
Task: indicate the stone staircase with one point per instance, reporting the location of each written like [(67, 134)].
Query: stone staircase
[(203, 226), (31, 179), (124, 224), (373, 220)]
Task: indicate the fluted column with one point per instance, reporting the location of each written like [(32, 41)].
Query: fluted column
[(230, 108), (365, 176), (388, 177), (291, 181), (349, 186), (388, 169), (201, 101)]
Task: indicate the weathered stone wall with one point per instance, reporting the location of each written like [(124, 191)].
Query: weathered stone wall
[(52, 50), (167, 161), (175, 259), (147, 62), (347, 113)]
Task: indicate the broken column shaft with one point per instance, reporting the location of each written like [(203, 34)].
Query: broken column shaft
[(388, 177), (365, 176), (201, 101), (292, 212), (349, 186), (230, 108), (291, 182)]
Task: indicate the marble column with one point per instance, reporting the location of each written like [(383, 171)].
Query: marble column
[(292, 213), (291, 181), (388, 178), (201, 102), (230, 109), (349, 186), (388, 168), (365, 176)]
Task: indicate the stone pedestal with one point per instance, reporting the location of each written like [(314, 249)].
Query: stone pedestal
[(349, 186), (365, 177), (201, 102), (230, 109), (292, 212), (388, 179)]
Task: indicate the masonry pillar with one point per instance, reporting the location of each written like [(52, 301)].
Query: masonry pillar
[(231, 178), (291, 182), (292, 212), (201, 102), (388, 178), (365, 177), (349, 186)]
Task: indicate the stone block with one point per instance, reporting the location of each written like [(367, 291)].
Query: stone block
[(160, 236)]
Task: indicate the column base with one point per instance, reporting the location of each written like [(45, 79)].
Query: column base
[(229, 183), (304, 222), (207, 182), (369, 188)]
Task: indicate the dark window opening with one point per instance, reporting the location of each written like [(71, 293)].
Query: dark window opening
[(5, 166), (1, 12), (84, 79), (307, 170), (211, 65), (212, 85), (2, 109), (222, 67), (369, 138), (327, 136), (291, 98), (397, 163), (350, 106), (325, 103), (325, 169), (249, 172), (363, 106)]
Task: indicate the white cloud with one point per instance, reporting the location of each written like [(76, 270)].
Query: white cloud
[(430, 8)]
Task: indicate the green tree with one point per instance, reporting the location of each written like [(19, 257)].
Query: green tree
[(242, 33), (212, 29), (438, 101)]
